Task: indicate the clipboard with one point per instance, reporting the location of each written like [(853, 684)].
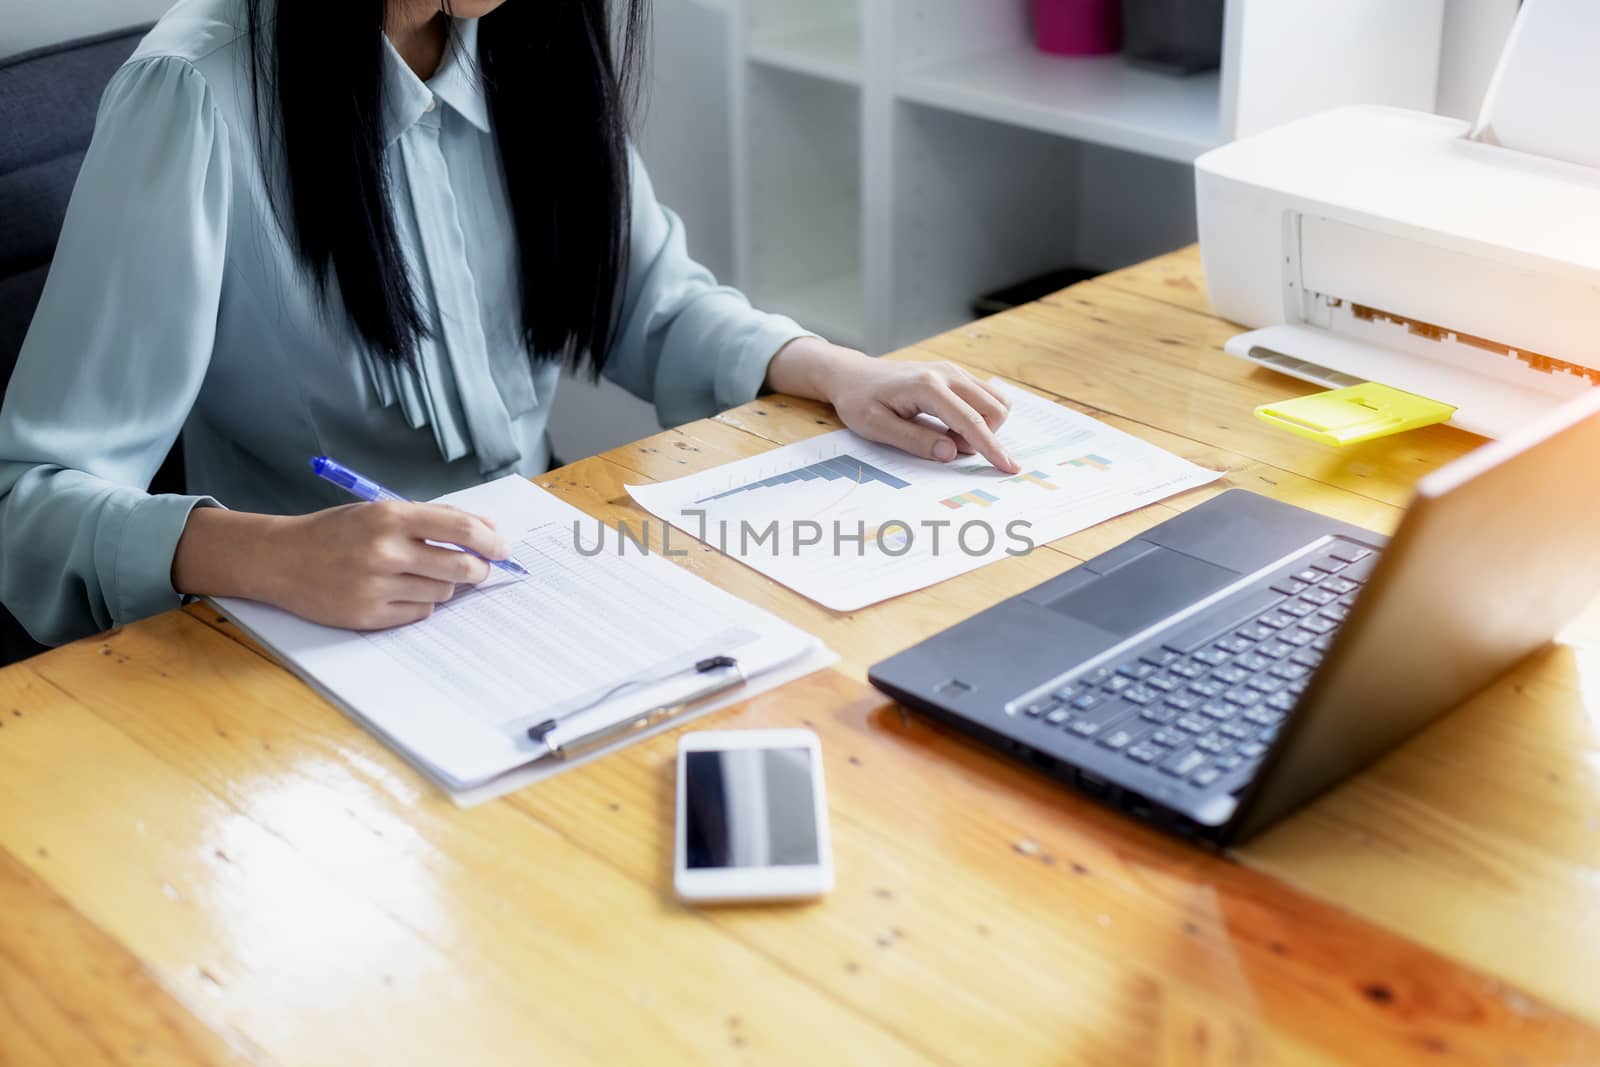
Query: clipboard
[(456, 695), (1354, 414)]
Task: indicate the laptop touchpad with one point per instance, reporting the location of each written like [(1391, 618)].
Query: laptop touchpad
[(1143, 592)]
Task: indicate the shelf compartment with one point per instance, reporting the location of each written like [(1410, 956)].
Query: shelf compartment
[(832, 51), (978, 205), (1099, 99), (802, 223)]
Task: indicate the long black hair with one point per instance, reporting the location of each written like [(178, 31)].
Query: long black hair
[(559, 103)]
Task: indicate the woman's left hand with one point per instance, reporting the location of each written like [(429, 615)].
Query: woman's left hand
[(882, 400)]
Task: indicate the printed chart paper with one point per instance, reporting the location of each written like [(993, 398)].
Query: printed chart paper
[(850, 523)]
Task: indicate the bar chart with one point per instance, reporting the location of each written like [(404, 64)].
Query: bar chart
[(1035, 478), (843, 466), (849, 522), (974, 497), (982, 498)]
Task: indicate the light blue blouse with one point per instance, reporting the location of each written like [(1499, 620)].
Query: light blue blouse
[(175, 303)]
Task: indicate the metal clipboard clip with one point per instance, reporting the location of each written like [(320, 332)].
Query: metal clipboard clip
[(637, 723)]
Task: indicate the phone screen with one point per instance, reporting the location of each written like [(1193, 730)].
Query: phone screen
[(750, 807)]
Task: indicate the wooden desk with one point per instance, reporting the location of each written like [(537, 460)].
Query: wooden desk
[(201, 861)]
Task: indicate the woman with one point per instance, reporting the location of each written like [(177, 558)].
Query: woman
[(372, 229)]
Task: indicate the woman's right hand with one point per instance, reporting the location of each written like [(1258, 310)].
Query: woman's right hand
[(358, 567)]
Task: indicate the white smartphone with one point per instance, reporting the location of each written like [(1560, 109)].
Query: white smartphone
[(752, 817)]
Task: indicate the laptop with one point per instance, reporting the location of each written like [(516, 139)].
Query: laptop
[(1218, 671)]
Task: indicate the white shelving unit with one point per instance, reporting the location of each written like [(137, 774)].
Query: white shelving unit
[(830, 50), (894, 159), (1097, 99), (798, 183)]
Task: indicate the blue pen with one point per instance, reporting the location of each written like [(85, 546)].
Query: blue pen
[(366, 489)]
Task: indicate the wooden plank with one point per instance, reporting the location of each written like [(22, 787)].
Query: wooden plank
[(1480, 838), (1178, 278), (292, 882), (1360, 884), (71, 996), (1067, 904), (1163, 954)]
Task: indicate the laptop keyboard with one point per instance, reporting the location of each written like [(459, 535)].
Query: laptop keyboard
[(1206, 698)]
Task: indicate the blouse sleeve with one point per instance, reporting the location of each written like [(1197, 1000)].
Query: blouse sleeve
[(691, 346), (114, 360)]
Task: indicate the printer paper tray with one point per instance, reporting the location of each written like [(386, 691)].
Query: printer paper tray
[(1490, 405)]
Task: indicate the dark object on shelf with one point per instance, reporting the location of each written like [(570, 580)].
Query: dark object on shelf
[(1029, 291), (1078, 27), (1173, 36)]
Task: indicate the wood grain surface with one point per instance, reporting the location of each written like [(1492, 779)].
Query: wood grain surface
[(203, 862)]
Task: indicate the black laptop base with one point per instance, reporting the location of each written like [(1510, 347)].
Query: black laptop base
[(1157, 677), (1108, 793)]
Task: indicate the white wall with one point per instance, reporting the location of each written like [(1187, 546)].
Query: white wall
[(26, 24)]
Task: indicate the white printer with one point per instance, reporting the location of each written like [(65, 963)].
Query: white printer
[(1458, 262)]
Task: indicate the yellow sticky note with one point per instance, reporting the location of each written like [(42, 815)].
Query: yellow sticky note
[(1358, 413)]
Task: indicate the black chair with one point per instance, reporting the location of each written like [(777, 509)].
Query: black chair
[(48, 101)]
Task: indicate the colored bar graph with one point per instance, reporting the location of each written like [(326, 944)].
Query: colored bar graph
[(1029, 452), (1034, 478), (845, 467), (972, 496), (1099, 463), (897, 536)]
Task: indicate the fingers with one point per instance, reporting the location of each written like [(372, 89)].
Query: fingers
[(445, 565), (885, 425), (1005, 401), (990, 405), (407, 591), (397, 600), (436, 522), (402, 533), (963, 446), (940, 401)]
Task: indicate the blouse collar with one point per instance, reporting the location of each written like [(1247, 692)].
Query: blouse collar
[(408, 100)]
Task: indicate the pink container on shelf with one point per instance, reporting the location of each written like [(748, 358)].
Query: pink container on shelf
[(1078, 27)]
